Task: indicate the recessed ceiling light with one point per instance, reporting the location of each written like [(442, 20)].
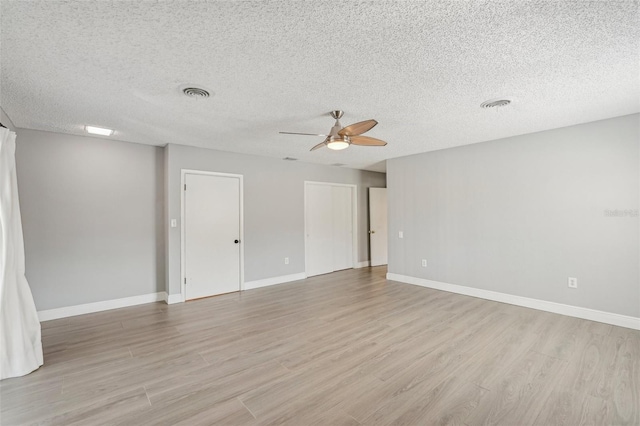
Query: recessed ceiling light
[(98, 131)]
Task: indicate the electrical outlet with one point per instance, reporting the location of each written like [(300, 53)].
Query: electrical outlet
[(286, 260), (573, 282), (400, 234), (424, 263), (174, 223)]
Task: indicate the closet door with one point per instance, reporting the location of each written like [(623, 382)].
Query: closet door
[(329, 219), (342, 228), (319, 229)]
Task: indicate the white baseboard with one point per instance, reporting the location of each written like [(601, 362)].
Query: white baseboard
[(541, 305), (249, 285), (70, 311), (173, 298), (363, 264)]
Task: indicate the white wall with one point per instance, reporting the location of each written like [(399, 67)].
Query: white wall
[(273, 207), (520, 215), (92, 218)]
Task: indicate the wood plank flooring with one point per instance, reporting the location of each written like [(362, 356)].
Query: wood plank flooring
[(348, 348)]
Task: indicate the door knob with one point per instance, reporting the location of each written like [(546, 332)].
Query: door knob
[(372, 232), (236, 241)]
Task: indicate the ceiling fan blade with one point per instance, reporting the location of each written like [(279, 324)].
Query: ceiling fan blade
[(304, 134), (320, 145), (366, 141), (358, 128)]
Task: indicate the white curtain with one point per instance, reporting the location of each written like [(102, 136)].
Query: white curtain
[(20, 339)]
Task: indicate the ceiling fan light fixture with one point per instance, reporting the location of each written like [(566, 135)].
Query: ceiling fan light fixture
[(338, 143)]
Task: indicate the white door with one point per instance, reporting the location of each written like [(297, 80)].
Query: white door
[(378, 225), (329, 227), (212, 234), (342, 228), (319, 224)]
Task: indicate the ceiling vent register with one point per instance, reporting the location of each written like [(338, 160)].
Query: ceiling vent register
[(195, 92), (495, 103)]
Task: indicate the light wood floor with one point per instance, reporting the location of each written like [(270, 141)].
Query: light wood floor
[(348, 348)]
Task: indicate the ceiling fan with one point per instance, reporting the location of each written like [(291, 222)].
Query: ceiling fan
[(341, 137)]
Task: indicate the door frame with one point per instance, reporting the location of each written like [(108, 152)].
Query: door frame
[(354, 221), (183, 176)]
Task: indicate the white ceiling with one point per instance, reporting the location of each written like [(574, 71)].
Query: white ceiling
[(421, 68)]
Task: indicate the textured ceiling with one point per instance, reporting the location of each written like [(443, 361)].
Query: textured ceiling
[(421, 68)]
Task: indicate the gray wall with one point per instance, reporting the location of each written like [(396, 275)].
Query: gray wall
[(95, 218), (92, 212), (4, 119), (273, 207), (520, 215)]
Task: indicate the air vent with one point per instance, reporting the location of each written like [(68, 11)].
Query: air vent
[(338, 164), (495, 103), (290, 159), (195, 92)]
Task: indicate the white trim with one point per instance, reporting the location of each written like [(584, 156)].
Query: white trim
[(363, 264), (105, 305), (354, 224), (183, 173), (173, 298), (274, 280), (541, 305)]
